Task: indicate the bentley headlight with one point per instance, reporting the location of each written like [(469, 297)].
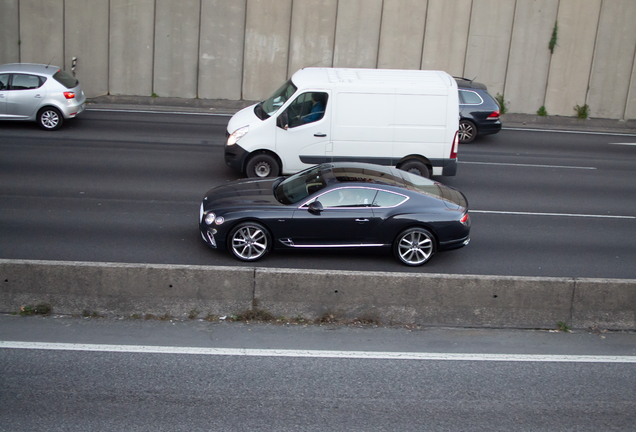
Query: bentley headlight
[(237, 135), (209, 218)]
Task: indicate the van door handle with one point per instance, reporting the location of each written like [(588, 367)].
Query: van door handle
[(320, 134)]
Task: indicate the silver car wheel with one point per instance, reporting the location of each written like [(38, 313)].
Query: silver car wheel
[(467, 132), (50, 119), (415, 246), (249, 242)]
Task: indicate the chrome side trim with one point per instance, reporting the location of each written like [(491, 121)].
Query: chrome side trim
[(325, 246)]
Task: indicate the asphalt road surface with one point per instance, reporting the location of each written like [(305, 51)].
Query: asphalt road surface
[(62, 374), (126, 187)]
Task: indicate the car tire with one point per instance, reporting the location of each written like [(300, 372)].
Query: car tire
[(414, 246), (416, 167), (50, 118), (467, 131), (249, 241), (261, 166)]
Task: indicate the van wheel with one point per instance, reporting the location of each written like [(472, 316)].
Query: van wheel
[(261, 166), (415, 167), (50, 119), (467, 131)]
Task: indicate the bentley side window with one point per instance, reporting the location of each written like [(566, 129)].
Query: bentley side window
[(348, 197)]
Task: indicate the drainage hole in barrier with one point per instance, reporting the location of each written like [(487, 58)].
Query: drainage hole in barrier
[(495, 296)]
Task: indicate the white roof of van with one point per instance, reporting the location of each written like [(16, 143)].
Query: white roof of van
[(381, 77)]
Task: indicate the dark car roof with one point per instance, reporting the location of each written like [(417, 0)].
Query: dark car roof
[(377, 174), (469, 84)]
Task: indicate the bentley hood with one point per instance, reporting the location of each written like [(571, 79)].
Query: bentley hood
[(242, 193)]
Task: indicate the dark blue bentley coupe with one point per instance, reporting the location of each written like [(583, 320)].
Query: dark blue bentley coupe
[(336, 205)]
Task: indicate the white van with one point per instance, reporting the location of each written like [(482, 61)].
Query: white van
[(403, 118)]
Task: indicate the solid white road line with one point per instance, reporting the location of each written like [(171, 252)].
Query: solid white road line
[(552, 214), (371, 355), (527, 165), (159, 112), (567, 131)]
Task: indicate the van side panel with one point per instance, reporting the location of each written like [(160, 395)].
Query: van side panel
[(420, 126)]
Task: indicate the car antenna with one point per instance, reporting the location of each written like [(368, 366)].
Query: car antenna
[(49, 63), (312, 65)]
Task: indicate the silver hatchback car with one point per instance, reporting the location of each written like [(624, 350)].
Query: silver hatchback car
[(42, 93)]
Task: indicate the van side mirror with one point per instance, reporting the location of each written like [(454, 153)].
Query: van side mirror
[(281, 121), (315, 207)]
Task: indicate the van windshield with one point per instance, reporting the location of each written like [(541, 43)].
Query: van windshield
[(272, 104)]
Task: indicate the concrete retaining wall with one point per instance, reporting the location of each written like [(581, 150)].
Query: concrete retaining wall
[(427, 299), (245, 49)]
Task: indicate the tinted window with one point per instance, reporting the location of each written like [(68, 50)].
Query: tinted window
[(470, 97), (348, 197), (388, 199), (4, 82), (306, 108), (65, 79), (365, 175), (26, 82)]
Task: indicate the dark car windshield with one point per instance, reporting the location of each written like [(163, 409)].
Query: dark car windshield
[(302, 184), (65, 79), (299, 186), (272, 104)]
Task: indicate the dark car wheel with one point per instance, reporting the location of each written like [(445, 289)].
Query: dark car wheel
[(249, 241), (467, 131), (261, 166), (50, 119), (414, 246), (415, 167)]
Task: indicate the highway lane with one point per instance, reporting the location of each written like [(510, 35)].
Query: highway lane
[(125, 187), (94, 374)]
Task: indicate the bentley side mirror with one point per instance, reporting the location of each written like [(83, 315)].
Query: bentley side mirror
[(315, 207)]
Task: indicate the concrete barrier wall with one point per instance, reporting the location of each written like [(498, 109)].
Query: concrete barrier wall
[(489, 42), (531, 33), (245, 49), (131, 53), (221, 49), (613, 60), (572, 59), (402, 34), (426, 299), (87, 40), (9, 32)]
